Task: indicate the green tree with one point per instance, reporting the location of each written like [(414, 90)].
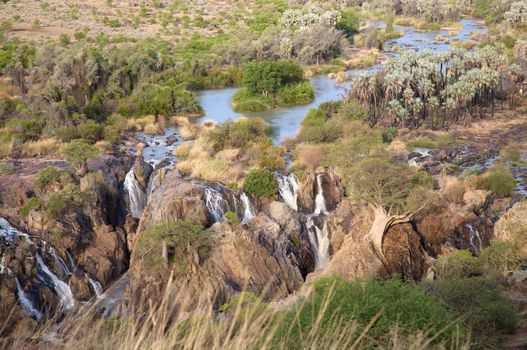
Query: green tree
[(77, 152), (348, 22), (267, 77), (261, 183)]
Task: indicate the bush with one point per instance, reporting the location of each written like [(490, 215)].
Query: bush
[(77, 151), (232, 218), (393, 305), (56, 205), (90, 130), (261, 183), (487, 312), (244, 101), (388, 134), (295, 94), (6, 168), (239, 133), (348, 22), (32, 203), (500, 182), (50, 175), (180, 236), (267, 77)]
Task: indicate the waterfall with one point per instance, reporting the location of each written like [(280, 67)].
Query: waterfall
[(319, 239), (136, 194), (289, 190), (97, 288), (72, 261), (26, 303), (474, 234), (62, 290), (320, 201), (248, 212), (59, 260), (215, 203), (8, 232)]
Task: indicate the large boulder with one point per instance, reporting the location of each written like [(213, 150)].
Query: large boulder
[(513, 223), (174, 198)]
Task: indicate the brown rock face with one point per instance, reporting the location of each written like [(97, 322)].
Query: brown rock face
[(512, 223), (404, 253), (269, 257), (353, 255), (175, 199), (308, 189)]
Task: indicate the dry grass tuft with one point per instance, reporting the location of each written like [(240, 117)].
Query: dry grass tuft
[(42, 147)]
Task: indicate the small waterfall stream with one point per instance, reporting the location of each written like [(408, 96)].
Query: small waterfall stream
[(248, 212), (320, 201), (215, 203), (97, 288), (26, 303), (288, 189), (63, 291), (474, 236), (136, 194)]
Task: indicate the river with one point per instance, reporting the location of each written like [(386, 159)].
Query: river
[(285, 122)]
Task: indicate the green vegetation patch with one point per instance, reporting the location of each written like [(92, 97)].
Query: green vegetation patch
[(261, 183)]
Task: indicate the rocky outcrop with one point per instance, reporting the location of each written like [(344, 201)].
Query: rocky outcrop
[(269, 257), (513, 223), (308, 189), (84, 242), (174, 199)]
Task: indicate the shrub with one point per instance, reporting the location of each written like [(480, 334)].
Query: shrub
[(232, 218), (511, 153), (421, 143), (261, 183), (348, 22), (500, 182), (6, 168), (180, 236), (295, 94), (244, 101), (458, 264), (351, 110), (237, 134), (271, 158), (387, 306), (55, 205), (267, 77), (488, 313), (66, 133), (32, 203), (388, 134), (77, 152), (90, 130), (51, 174)]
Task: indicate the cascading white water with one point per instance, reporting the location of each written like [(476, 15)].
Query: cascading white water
[(319, 240), (215, 203), (248, 212), (288, 189), (62, 290), (97, 288), (26, 303), (474, 235), (320, 201), (136, 194), (9, 232), (59, 260)]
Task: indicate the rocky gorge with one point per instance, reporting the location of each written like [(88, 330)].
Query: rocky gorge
[(266, 246)]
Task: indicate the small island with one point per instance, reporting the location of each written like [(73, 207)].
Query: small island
[(270, 84)]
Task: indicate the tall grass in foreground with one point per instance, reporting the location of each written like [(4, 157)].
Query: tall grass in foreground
[(245, 323)]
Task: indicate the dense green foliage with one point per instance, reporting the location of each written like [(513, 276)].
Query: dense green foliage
[(261, 183), (268, 83), (348, 22), (388, 305), (500, 182)]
